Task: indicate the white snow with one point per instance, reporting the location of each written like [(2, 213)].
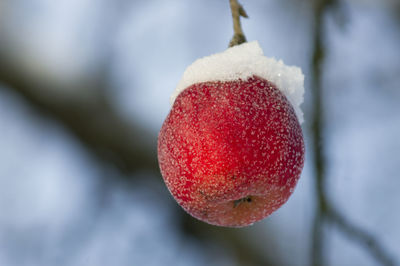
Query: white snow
[(242, 62)]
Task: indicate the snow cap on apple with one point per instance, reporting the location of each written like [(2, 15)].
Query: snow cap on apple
[(231, 150)]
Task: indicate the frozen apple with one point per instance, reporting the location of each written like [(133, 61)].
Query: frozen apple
[(231, 149)]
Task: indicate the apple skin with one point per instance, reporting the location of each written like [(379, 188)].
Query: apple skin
[(231, 152)]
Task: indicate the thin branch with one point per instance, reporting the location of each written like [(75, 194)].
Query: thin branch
[(361, 236), (324, 209), (318, 236), (237, 12)]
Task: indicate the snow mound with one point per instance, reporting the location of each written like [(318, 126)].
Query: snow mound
[(242, 62)]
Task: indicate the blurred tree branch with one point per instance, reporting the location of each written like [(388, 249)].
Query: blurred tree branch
[(363, 237), (325, 212), (93, 120)]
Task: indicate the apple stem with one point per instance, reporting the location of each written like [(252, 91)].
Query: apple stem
[(237, 12)]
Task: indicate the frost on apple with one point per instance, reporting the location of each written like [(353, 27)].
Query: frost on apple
[(231, 149)]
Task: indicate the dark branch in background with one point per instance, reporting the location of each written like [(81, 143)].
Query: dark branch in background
[(362, 236), (92, 120), (325, 212), (237, 12), (318, 237), (111, 138)]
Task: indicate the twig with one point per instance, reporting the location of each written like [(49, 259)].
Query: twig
[(237, 12), (324, 209), (318, 239), (363, 237)]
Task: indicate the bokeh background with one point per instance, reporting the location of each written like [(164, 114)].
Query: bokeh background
[(84, 89)]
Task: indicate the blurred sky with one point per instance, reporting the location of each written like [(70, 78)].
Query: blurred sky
[(49, 185)]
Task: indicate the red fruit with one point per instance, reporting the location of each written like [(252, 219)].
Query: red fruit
[(231, 152)]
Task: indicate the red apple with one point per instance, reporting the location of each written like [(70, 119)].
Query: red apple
[(231, 152)]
